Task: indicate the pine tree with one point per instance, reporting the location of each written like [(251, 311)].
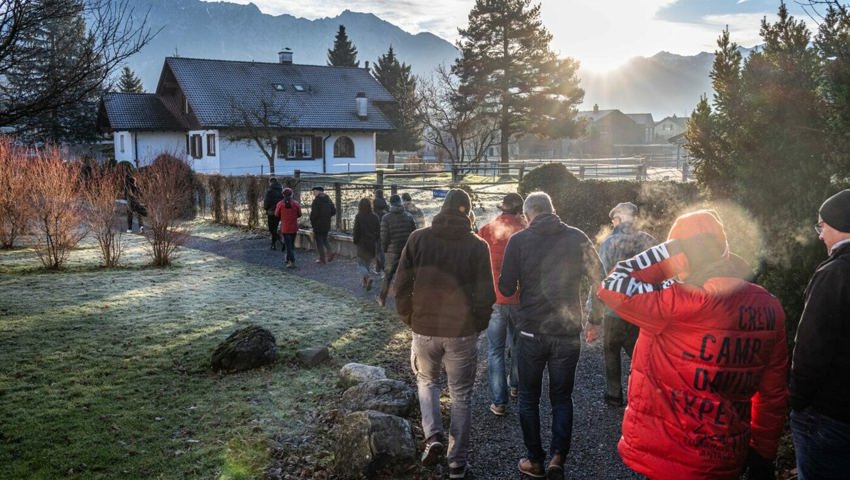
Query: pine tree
[(129, 82), (401, 84), (507, 66), (344, 54), (50, 55)]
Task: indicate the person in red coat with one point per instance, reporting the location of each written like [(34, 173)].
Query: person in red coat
[(500, 330), (708, 391), (288, 211)]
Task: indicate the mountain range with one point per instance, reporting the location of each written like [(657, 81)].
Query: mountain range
[(664, 84)]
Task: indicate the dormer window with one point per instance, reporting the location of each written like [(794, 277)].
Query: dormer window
[(299, 87), (278, 87)]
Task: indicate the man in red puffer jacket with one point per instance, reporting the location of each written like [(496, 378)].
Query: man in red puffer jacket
[(708, 389)]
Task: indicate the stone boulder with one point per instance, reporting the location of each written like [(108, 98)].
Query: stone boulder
[(392, 397), (244, 349), (354, 373), (369, 441), (310, 357)]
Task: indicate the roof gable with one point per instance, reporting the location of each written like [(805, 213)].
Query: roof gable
[(136, 111), (301, 96)]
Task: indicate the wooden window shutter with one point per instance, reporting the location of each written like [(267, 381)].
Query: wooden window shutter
[(318, 143)]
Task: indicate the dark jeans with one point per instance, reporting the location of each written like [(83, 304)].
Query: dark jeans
[(822, 446), (322, 245), (289, 245), (617, 334), (390, 266), (560, 354), (273, 222)]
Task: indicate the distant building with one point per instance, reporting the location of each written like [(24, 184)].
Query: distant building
[(670, 127), (324, 118), (606, 131)]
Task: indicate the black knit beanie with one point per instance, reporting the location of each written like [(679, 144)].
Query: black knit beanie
[(835, 211), (455, 199)]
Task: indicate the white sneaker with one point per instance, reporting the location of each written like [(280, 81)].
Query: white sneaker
[(129, 230), (141, 229)]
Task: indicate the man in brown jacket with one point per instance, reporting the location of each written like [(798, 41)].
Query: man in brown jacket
[(444, 292)]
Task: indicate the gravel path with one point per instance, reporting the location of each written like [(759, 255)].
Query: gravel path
[(496, 441)]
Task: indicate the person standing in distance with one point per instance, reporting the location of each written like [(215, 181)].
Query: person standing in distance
[(547, 262), (288, 210), (500, 330), (396, 227), (413, 210), (274, 194), (444, 293), (321, 211), (820, 369)]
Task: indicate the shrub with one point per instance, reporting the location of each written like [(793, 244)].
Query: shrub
[(14, 209), (549, 178), (165, 190), (103, 187)]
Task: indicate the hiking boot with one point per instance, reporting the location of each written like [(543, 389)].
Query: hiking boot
[(514, 392), (433, 451), (320, 261), (331, 257), (498, 410), (531, 468), (290, 264), (555, 470), (457, 472)]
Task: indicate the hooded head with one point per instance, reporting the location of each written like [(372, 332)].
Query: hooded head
[(287, 192), (705, 229), (405, 197), (457, 201), (511, 203), (395, 201)]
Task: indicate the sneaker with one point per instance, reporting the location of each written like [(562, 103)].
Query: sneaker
[(514, 392), (498, 410), (141, 229), (380, 300), (433, 451), (290, 264), (319, 260), (555, 470), (531, 468), (457, 472), (129, 230)]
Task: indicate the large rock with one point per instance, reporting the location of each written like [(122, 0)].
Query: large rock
[(388, 396), (310, 357), (370, 441), (354, 373), (244, 349)]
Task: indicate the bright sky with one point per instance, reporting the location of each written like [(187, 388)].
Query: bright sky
[(602, 34)]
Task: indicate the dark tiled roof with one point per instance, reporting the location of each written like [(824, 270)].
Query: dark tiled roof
[(595, 115), (642, 118), (138, 111), (218, 89)]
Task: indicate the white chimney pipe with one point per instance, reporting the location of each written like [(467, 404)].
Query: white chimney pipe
[(362, 104), (285, 56)]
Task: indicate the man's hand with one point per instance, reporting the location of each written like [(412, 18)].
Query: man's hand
[(591, 333)]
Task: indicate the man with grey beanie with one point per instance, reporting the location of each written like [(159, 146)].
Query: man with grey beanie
[(820, 369), (444, 293)]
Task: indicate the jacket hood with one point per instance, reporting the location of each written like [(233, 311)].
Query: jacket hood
[(276, 186), (451, 225), (547, 224), (396, 208)]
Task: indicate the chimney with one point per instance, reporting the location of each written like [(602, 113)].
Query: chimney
[(285, 56), (595, 108), (362, 105), (367, 65)]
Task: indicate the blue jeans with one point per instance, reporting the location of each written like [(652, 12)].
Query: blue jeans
[(459, 356), (822, 446), (560, 354), (500, 342), (289, 244)]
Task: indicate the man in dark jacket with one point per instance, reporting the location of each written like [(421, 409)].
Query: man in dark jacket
[(321, 211), (625, 241), (274, 194), (547, 262), (380, 207), (444, 292), (820, 369), (396, 226)]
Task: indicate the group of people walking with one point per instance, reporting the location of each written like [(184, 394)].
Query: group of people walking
[(709, 385)]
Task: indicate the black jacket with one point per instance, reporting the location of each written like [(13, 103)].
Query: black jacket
[(273, 195), (820, 369), (380, 206), (548, 261), (321, 211), (444, 285), (367, 229), (396, 226)]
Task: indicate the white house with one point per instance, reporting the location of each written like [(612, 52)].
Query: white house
[(319, 118)]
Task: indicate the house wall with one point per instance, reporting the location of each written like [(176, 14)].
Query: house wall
[(239, 157), (145, 146)]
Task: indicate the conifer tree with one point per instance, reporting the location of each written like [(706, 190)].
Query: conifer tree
[(508, 67), (395, 76), (344, 53), (129, 82)]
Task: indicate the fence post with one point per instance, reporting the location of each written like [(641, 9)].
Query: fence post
[(581, 172), (379, 182), (338, 202), (454, 175), (521, 171), (297, 190), (685, 171)]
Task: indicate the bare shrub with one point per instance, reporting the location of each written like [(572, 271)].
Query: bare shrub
[(165, 189), (57, 212), (13, 188), (253, 197), (104, 186)]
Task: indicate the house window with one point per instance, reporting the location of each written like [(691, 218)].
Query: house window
[(211, 145), (196, 146), (300, 147), (343, 147), (121, 141)]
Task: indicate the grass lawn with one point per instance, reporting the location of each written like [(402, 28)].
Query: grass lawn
[(106, 372)]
